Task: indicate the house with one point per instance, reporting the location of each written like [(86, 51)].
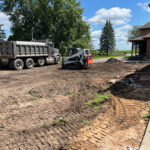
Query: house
[(141, 45)]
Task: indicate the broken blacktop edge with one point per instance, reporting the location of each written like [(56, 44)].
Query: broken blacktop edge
[(146, 130)]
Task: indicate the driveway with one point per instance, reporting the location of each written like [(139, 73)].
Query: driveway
[(102, 60)]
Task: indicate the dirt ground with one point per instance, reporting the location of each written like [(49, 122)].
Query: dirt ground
[(44, 108)]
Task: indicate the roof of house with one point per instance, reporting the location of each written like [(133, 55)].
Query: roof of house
[(146, 36), (137, 39), (146, 26)]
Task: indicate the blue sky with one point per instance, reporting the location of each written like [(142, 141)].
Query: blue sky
[(123, 14)]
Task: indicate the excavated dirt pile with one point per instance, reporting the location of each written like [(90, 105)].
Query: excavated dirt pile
[(145, 69), (46, 108), (136, 85), (113, 60)]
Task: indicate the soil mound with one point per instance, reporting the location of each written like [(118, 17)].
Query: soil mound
[(113, 60), (145, 69)]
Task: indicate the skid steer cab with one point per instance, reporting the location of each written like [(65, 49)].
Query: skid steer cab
[(80, 58)]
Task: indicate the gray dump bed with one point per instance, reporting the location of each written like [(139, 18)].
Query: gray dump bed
[(14, 49)]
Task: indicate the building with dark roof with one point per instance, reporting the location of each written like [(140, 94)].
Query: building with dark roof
[(141, 45)]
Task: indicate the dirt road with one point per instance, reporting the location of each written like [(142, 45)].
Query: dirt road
[(44, 108)]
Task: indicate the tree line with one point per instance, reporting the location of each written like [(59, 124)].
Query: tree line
[(60, 21)]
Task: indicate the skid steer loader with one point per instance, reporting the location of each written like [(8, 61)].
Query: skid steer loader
[(81, 58)]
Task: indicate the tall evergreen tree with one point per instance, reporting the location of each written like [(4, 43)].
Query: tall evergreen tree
[(58, 20), (107, 39), (2, 33)]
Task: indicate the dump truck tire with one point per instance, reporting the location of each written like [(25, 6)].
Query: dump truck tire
[(41, 62), (57, 59), (29, 63), (17, 64)]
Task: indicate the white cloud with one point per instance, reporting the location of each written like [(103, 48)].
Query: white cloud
[(5, 21), (121, 35), (95, 35), (144, 6), (84, 18), (117, 15)]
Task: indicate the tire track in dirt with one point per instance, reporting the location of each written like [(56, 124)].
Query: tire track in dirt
[(103, 131), (22, 117)]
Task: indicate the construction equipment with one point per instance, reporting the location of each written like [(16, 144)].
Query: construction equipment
[(81, 58), (20, 54)]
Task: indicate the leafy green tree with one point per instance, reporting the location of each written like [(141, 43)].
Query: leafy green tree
[(107, 39), (134, 32), (58, 20), (2, 33)]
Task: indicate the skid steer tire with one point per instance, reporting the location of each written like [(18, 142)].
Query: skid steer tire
[(79, 66)]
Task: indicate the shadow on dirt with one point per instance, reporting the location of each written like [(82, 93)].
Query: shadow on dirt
[(133, 86), (5, 69), (70, 67)]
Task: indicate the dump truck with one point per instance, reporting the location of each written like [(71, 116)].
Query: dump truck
[(22, 54), (81, 58)]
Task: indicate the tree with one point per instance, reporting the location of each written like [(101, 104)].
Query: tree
[(58, 20), (107, 39), (134, 32), (2, 34)]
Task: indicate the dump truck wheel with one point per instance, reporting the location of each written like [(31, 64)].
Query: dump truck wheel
[(41, 62), (17, 64), (57, 59), (29, 63)]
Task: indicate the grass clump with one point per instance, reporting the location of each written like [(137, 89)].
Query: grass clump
[(46, 126), (99, 99), (85, 122), (68, 93), (148, 106), (61, 121), (147, 116)]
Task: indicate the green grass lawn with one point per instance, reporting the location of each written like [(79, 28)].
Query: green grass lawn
[(99, 57), (113, 54), (122, 52), (127, 57)]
